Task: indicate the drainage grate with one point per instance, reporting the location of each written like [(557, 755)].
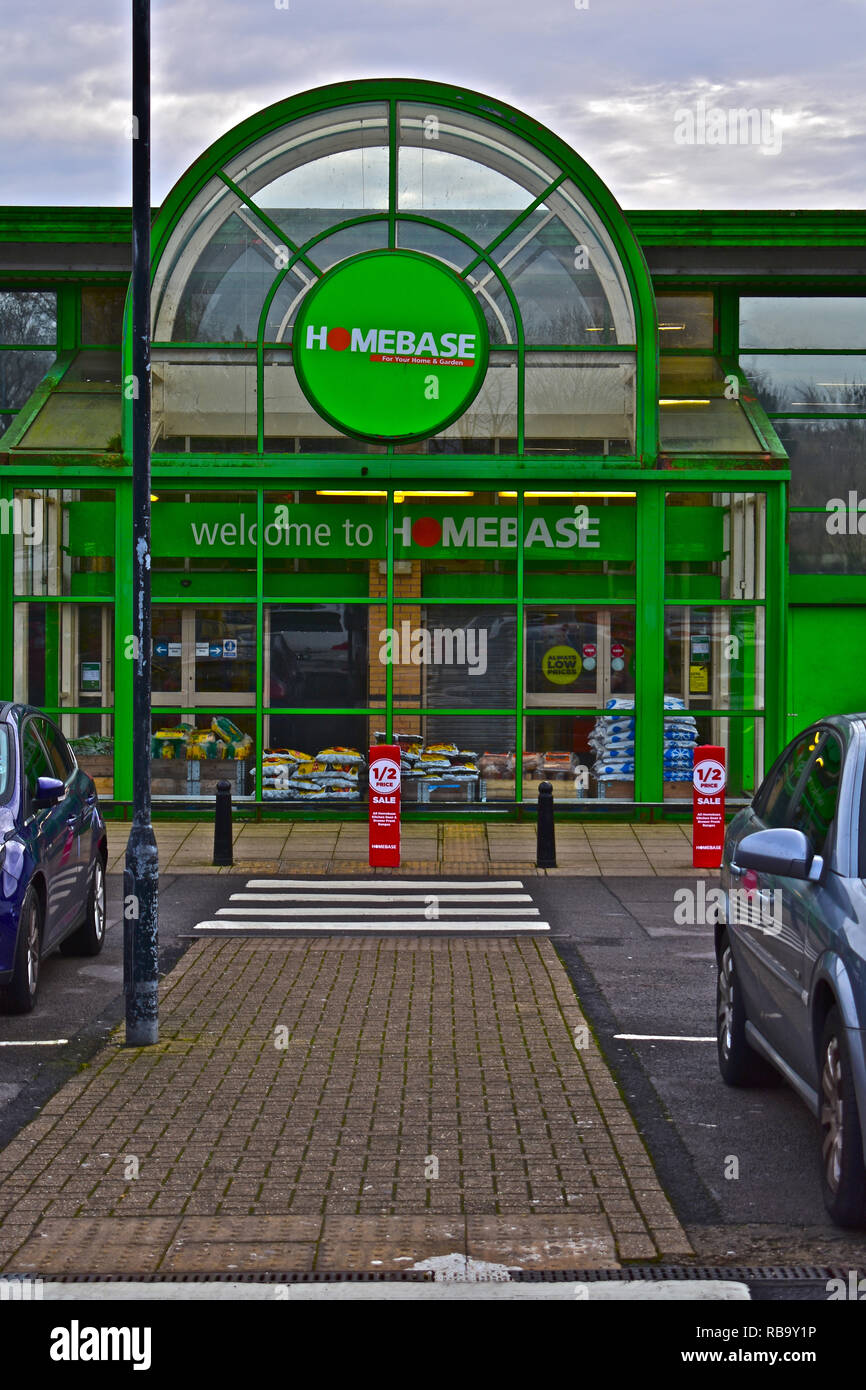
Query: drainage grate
[(739, 1273), (350, 1276)]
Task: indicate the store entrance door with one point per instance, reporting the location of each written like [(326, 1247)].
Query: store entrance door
[(204, 668), (204, 657), (577, 657)]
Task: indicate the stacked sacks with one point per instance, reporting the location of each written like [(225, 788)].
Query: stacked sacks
[(612, 740), (680, 737), (290, 775)]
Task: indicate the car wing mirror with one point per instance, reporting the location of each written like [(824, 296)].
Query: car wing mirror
[(49, 790), (785, 852)]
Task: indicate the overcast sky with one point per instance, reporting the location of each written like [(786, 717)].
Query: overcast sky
[(624, 81)]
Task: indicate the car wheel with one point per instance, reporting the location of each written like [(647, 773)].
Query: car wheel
[(89, 939), (19, 995), (842, 1177), (739, 1064)]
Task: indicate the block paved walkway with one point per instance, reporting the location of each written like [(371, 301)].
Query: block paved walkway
[(341, 1104), (430, 847)]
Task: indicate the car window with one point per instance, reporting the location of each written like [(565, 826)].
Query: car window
[(57, 749), (6, 773), (815, 808), (35, 760), (775, 797)]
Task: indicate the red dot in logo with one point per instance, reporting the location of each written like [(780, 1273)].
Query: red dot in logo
[(426, 531), (339, 339)]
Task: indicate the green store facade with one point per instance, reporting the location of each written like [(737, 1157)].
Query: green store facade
[(638, 530)]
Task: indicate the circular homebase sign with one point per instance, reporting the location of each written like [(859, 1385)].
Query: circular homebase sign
[(390, 345)]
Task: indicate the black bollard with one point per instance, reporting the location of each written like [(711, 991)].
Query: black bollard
[(222, 825), (545, 846)]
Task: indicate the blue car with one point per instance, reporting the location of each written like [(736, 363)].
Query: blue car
[(791, 949), (53, 852)]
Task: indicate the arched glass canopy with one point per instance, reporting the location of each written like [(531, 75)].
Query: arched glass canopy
[(286, 196)]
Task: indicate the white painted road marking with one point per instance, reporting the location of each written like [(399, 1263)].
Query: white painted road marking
[(659, 1037), (41, 1042), (376, 911), (325, 896), (417, 883), (418, 924)]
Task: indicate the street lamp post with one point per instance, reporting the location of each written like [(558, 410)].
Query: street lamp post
[(141, 877)]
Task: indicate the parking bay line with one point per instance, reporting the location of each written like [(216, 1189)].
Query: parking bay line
[(659, 1037)]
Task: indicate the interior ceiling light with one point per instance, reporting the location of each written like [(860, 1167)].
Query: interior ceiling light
[(671, 327), (399, 496), (348, 492), (569, 494), (683, 401)]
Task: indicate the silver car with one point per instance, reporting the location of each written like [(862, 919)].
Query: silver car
[(791, 948)]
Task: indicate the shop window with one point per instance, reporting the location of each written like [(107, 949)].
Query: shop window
[(685, 320), (742, 739), (316, 655), (827, 460), (715, 657), (20, 374), (584, 757), (28, 317), (192, 750), (204, 655), (63, 542), (64, 655), (316, 758), (91, 738), (458, 759), (578, 656), (826, 541), (102, 313), (211, 401), (809, 321), (799, 384), (715, 545), (579, 543), (450, 655), (455, 547), (573, 399)]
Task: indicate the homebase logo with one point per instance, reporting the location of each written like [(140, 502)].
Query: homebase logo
[(397, 345), (435, 646), (22, 517), (77, 1343)]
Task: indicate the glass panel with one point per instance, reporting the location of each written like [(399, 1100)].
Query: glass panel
[(714, 657), (28, 316), (206, 395), (578, 656), (63, 542), (453, 549), (715, 545), (225, 651), (810, 321), (777, 792), (191, 751), (827, 542), (490, 423), (91, 738), (315, 757), (685, 320), (584, 757), (20, 374), (273, 172), (827, 459), (685, 376), (64, 654), (225, 291), (576, 401), (706, 426), (743, 741), (290, 423), (455, 758), (317, 654), (102, 313), (97, 369), (808, 384), (561, 297), (349, 180), (451, 655), (580, 543), (318, 544)]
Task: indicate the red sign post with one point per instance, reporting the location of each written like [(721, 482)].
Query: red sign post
[(384, 809), (708, 806)]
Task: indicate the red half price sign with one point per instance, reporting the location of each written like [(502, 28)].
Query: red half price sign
[(708, 806), (384, 807)]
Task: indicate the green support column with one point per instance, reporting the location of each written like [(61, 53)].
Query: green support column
[(649, 698), (123, 627), (776, 660)]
